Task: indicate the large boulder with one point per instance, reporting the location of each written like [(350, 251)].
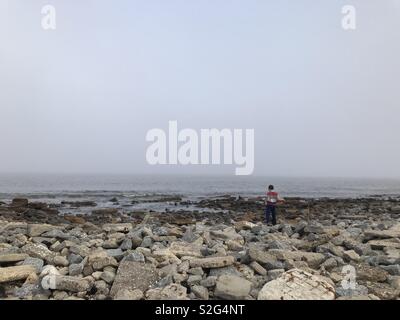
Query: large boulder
[(132, 275), (297, 284), (231, 287)]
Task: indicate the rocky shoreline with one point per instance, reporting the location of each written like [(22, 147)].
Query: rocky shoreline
[(320, 249)]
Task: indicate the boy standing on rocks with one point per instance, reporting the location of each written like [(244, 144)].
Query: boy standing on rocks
[(271, 201)]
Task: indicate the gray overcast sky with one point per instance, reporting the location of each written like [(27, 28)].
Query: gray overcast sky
[(322, 101)]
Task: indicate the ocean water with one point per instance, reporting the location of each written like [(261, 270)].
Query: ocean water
[(94, 186)]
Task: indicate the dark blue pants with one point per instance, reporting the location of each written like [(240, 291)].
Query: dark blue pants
[(270, 210)]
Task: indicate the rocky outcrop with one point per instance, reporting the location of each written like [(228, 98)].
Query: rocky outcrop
[(119, 255)]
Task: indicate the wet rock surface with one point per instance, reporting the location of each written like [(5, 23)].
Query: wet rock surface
[(324, 249)]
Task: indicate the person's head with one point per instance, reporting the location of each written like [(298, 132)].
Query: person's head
[(270, 187)]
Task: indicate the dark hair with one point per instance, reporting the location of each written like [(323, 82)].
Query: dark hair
[(270, 187)]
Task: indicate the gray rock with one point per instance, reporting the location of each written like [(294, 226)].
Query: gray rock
[(165, 281), (171, 292), (110, 244), (16, 273), (393, 232), (274, 274), (127, 245), (196, 271), (382, 260), (299, 228), (134, 275), (134, 256), (329, 264), (117, 227), (209, 282), (98, 260), (36, 262), (74, 258), (262, 257), (395, 282), (287, 229), (189, 236), (194, 279), (81, 250), (200, 292), (275, 244), (351, 255), (231, 270), (394, 269), (169, 269), (6, 258), (60, 295), (35, 230), (115, 253), (56, 233), (30, 290), (37, 250), (232, 287), (108, 276), (297, 285), (147, 242), (181, 249), (125, 294), (313, 259), (60, 261), (77, 268), (256, 229), (66, 283), (101, 287), (212, 262), (258, 268), (367, 273), (359, 290), (160, 231)]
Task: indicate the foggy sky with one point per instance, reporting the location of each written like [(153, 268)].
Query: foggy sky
[(80, 99)]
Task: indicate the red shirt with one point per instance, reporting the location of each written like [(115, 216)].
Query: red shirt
[(272, 198)]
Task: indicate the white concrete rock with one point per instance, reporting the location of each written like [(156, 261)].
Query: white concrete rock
[(297, 284)]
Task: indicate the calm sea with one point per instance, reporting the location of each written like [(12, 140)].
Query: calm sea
[(55, 186)]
